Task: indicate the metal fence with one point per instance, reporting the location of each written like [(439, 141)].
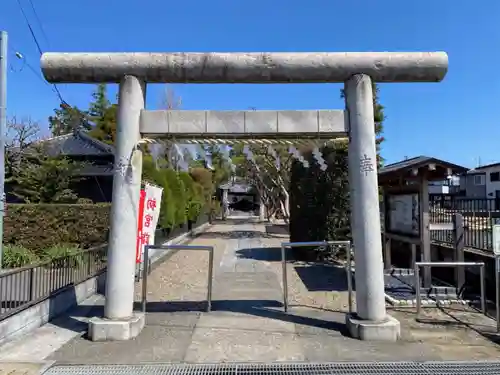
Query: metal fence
[(417, 282), (479, 217), (23, 287), (145, 274), (337, 246)]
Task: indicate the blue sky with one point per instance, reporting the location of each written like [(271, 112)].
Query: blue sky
[(456, 120)]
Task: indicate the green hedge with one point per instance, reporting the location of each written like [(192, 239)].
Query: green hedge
[(38, 227), (185, 195), (319, 201), (41, 226)]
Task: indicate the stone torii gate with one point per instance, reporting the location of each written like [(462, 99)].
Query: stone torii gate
[(133, 70)]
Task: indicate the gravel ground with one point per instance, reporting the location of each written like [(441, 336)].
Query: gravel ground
[(455, 332), (312, 284), (249, 323), (184, 276)]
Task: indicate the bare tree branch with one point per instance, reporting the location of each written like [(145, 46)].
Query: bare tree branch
[(170, 100), (21, 132)]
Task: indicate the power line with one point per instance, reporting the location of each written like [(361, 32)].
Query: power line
[(56, 89), (21, 57), (40, 25), (29, 26)]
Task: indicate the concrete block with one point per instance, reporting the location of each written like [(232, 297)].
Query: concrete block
[(35, 316), (182, 124), (262, 122), (388, 330), (101, 329)]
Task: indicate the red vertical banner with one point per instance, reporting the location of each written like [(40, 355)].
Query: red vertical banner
[(138, 250)]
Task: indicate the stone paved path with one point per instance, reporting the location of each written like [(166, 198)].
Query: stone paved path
[(248, 323)]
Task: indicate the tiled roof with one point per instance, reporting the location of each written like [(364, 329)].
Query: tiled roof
[(482, 167), (418, 162), (78, 143), (404, 164)]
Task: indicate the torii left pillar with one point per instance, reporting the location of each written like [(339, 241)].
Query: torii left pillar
[(120, 322)]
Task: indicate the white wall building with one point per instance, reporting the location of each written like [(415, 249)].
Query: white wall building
[(482, 182)]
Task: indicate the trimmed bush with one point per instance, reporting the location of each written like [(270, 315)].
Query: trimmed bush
[(15, 256), (194, 196), (185, 196), (60, 256), (319, 201), (41, 226), (178, 190)]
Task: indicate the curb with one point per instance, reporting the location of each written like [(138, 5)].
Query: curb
[(425, 302)]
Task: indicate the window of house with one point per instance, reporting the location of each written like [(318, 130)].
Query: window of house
[(494, 176), (479, 179)]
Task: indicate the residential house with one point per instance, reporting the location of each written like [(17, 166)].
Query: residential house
[(481, 182), (437, 187), (97, 176)]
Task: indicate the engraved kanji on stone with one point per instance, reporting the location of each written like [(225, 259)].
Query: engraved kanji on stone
[(366, 165)]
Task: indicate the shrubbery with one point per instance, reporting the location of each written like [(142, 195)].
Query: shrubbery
[(38, 227), (319, 201), (17, 256), (185, 196), (38, 232)]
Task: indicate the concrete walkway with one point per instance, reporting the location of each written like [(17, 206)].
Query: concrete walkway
[(247, 322)]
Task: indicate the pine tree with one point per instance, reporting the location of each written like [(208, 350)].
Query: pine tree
[(379, 117), (99, 106), (68, 119), (319, 200), (103, 116), (40, 178)]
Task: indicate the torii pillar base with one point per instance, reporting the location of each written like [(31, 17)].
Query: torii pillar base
[(102, 329), (387, 330)]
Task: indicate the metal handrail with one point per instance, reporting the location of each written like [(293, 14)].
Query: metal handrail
[(345, 244), (145, 272), (449, 264), (48, 262), (26, 286)]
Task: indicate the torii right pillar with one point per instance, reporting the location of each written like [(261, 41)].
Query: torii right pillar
[(371, 322)]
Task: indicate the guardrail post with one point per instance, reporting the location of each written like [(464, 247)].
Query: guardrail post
[(90, 257), (32, 284), (429, 265), (348, 269), (483, 291), (285, 278), (459, 248), (146, 269), (417, 289), (210, 279), (349, 278), (145, 274)]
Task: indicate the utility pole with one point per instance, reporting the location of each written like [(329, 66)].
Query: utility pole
[(3, 129)]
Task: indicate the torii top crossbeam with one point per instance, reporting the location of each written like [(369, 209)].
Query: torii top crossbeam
[(236, 67)]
